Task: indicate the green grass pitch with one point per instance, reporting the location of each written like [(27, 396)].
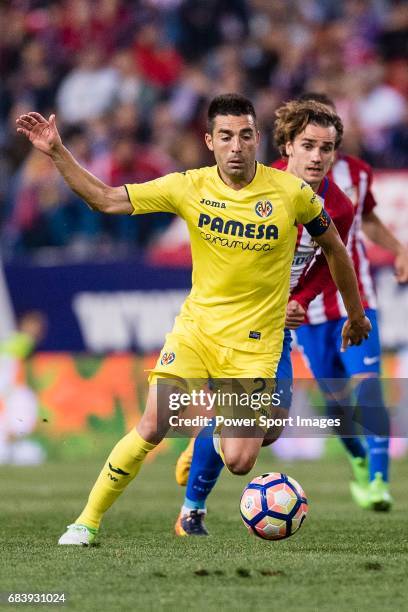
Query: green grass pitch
[(342, 558)]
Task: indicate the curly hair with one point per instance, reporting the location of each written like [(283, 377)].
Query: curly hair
[(293, 117)]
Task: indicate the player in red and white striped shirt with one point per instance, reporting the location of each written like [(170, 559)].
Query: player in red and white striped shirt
[(354, 177), (328, 305), (325, 315)]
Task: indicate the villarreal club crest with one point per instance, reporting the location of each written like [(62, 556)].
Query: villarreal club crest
[(263, 208), (167, 358)]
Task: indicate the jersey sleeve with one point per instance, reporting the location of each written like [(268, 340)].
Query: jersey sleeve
[(160, 195), (313, 282), (308, 205), (343, 219), (369, 201), (318, 276)]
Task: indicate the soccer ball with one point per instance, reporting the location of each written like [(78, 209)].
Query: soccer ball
[(273, 506)]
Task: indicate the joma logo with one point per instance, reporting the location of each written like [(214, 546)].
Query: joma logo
[(213, 203)]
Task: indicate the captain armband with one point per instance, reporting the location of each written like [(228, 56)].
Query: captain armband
[(318, 225)]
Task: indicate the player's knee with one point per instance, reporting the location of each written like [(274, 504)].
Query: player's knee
[(148, 429), (240, 463)]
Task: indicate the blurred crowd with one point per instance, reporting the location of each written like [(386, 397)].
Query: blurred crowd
[(130, 82)]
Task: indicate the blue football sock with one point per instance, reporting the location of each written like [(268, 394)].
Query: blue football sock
[(375, 423), (344, 410), (205, 469), (354, 446)]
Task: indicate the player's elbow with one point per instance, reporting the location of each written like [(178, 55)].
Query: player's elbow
[(100, 200), (329, 251), (116, 201), (108, 200), (334, 247)]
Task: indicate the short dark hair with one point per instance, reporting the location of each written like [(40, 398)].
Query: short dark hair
[(293, 117), (317, 96), (229, 104)]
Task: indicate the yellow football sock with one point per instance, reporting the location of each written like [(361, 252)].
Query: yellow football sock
[(189, 450), (121, 467), (217, 445)]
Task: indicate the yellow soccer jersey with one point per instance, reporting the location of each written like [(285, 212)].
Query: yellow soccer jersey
[(242, 245)]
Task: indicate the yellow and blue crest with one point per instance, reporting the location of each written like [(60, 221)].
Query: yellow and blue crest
[(263, 208), (167, 358)]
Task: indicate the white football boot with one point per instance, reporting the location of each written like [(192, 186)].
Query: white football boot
[(78, 535)]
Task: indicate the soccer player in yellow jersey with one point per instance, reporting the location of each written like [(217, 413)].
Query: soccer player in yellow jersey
[(242, 217)]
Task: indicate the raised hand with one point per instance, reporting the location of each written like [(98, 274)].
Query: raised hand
[(354, 332), (42, 133)]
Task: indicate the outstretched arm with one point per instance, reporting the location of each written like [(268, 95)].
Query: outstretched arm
[(44, 136), (379, 233), (357, 327)]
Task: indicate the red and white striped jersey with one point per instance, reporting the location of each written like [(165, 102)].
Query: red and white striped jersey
[(354, 178), (310, 274)]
